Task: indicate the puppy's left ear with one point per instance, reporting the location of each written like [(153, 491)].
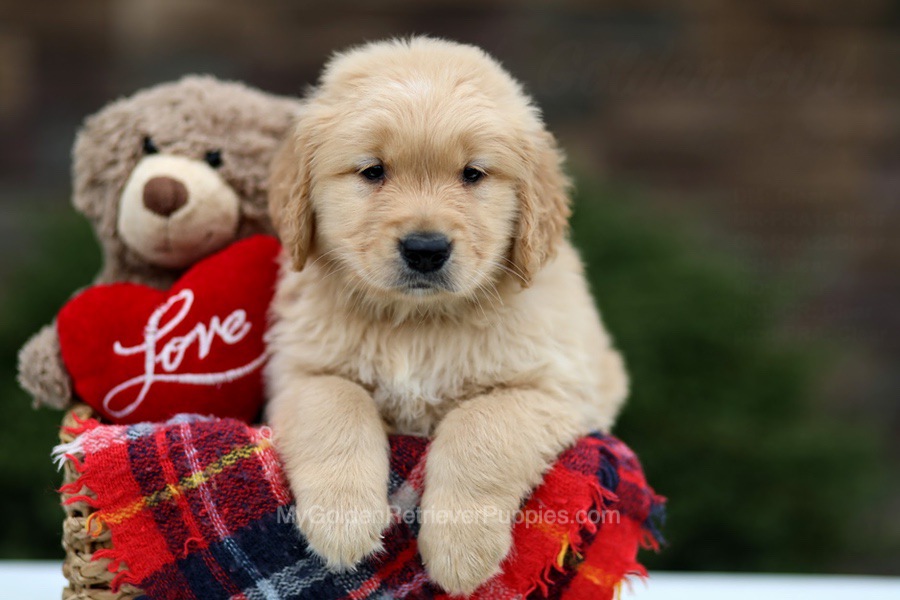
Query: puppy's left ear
[(544, 207), (289, 190)]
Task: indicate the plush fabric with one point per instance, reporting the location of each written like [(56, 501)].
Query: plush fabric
[(139, 354), (185, 119), (199, 508)]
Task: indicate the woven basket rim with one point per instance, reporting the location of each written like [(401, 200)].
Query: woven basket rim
[(89, 577)]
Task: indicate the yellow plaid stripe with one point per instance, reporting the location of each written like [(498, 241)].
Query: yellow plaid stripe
[(601, 579), (189, 482)]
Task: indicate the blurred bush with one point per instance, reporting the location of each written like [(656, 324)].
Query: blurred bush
[(61, 258), (721, 414)]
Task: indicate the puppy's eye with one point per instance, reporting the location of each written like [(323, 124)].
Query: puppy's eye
[(148, 146), (373, 173), (472, 175), (214, 158)]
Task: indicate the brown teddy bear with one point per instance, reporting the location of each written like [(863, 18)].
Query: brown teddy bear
[(167, 176)]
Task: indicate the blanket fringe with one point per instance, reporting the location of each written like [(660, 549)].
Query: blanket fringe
[(81, 425), (68, 451), (78, 490), (116, 565), (121, 578), (572, 540), (94, 524), (89, 500), (73, 487), (114, 560)]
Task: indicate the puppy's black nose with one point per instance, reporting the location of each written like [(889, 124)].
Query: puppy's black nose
[(425, 252)]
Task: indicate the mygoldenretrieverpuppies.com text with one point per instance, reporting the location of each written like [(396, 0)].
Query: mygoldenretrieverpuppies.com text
[(414, 516)]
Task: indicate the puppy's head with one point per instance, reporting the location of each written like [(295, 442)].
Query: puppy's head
[(419, 170)]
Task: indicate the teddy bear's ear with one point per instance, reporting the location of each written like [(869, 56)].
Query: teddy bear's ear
[(101, 161), (289, 189)]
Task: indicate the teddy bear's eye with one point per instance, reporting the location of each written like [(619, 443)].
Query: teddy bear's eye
[(149, 147), (214, 158)]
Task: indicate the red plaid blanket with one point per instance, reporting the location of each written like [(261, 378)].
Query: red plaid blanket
[(199, 508)]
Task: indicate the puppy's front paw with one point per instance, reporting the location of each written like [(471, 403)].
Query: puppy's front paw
[(343, 527), (462, 549)]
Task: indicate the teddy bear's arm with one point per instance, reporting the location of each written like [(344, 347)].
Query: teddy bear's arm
[(41, 370)]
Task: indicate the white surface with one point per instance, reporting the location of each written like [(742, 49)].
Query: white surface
[(31, 580), (43, 580), (715, 586)]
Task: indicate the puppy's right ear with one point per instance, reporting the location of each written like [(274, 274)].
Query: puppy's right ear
[(289, 201)]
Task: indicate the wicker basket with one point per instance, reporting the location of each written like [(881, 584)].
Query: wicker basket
[(88, 579)]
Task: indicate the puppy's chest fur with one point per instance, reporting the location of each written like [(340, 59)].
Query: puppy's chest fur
[(414, 380), (416, 371)]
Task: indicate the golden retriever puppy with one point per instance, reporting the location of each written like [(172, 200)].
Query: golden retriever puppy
[(428, 288)]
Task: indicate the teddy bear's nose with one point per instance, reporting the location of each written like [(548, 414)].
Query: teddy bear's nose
[(164, 195)]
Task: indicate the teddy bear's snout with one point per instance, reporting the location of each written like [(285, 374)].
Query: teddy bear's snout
[(174, 210), (164, 195)]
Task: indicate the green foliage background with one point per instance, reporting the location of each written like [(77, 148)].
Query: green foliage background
[(62, 258), (723, 413)]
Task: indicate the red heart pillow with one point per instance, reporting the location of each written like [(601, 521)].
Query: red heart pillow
[(139, 354)]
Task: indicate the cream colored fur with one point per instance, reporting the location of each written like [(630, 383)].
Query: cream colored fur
[(505, 366), (207, 222)]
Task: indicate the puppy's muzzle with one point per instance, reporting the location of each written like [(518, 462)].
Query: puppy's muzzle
[(425, 252)]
